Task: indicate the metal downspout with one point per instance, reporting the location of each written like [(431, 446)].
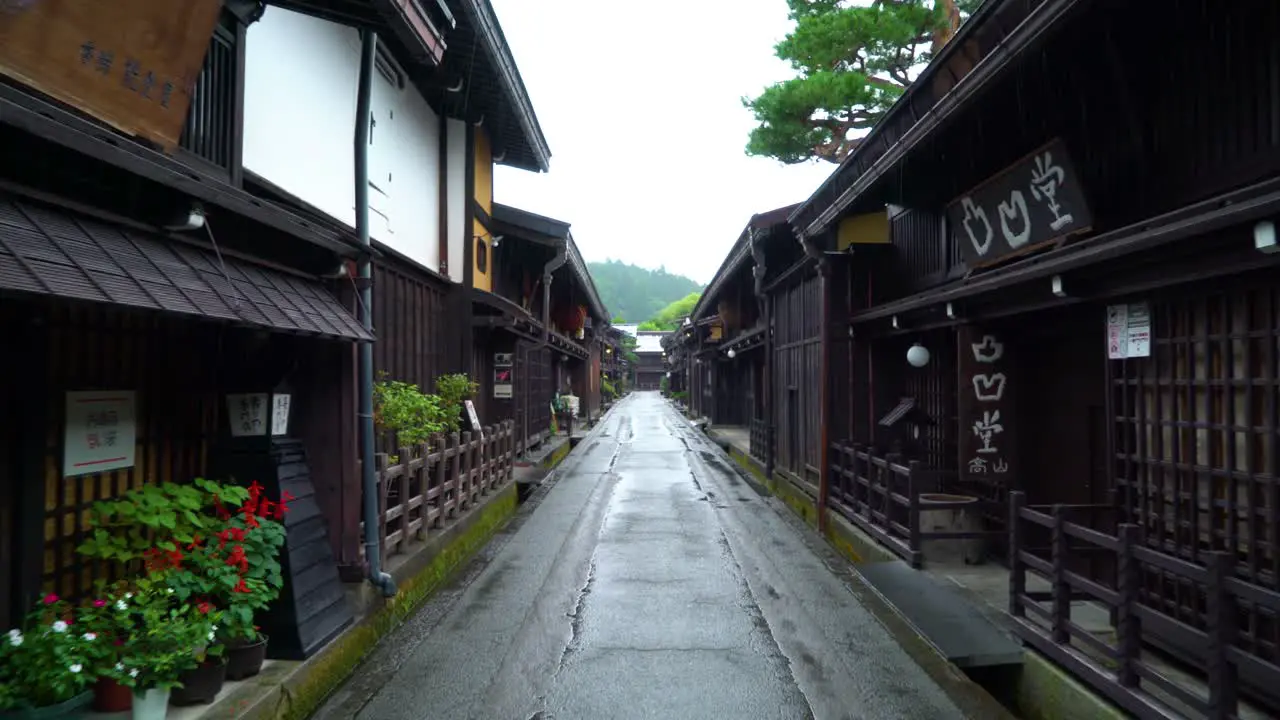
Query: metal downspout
[(555, 263), (369, 478)]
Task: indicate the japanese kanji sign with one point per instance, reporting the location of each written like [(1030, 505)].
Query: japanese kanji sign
[(986, 407), (1034, 202), (250, 413), (130, 63), (101, 432)]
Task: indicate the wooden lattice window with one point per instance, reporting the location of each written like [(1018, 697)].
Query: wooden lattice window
[(1196, 442)]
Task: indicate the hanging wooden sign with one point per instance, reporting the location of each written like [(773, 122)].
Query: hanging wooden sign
[(130, 63)]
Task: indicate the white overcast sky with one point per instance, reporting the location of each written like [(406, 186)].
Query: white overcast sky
[(640, 103)]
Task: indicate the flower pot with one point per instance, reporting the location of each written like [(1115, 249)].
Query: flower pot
[(201, 684), (64, 709), (245, 658), (150, 704), (110, 696)]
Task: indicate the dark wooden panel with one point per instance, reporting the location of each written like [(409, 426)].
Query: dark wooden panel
[(797, 374), (409, 311)]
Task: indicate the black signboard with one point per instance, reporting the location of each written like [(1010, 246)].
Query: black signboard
[(1034, 202)]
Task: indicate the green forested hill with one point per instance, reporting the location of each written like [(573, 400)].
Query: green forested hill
[(636, 294)]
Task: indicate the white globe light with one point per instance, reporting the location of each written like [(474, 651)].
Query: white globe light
[(732, 353), (918, 356)]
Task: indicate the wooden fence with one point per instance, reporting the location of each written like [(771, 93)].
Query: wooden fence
[(423, 489), (1224, 629), (882, 496)]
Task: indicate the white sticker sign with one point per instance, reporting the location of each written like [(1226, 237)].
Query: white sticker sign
[(279, 415), (101, 432), (1128, 331), (475, 419)]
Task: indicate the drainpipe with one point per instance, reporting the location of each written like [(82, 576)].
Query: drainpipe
[(372, 545), (824, 379), (562, 254)]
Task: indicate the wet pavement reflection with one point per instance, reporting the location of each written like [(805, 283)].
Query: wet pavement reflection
[(650, 581)]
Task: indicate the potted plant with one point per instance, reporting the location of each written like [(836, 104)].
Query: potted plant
[(101, 617), (245, 561), (165, 638), (46, 665)]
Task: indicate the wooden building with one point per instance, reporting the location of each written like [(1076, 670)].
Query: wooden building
[(1047, 280), (540, 325), (651, 365), (179, 244)]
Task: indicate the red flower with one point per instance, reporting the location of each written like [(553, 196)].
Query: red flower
[(237, 558), (282, 507), (222, 509), (50, 599), (241, 587), (265, 508), (99, 603), (204, 608)]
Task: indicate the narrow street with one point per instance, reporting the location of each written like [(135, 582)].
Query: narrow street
[(650, 581)]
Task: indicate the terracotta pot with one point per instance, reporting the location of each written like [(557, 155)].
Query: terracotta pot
[(110, 696), (245, 658), (201, 685)]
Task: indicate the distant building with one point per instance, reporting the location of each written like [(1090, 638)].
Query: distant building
[(651, 365), (630, 329)]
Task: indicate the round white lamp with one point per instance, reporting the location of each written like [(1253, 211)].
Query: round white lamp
[(918, 356), (732, 353)]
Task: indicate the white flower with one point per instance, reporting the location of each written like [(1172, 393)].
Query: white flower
[(59, 626), (210, 634), (90, 636), (133, 672), (215, 628), (15, 638), (128, 596), (75, 668), (170, 591), (121, 606), (119, 667)]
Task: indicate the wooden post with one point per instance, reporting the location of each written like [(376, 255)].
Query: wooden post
[(913, 514), (1017, 570), (452, 490), (486, 472), (464, 471), (1220, 615), (402, 493), (824, 390), (438, 442), (1061, 589), (1128, 624)]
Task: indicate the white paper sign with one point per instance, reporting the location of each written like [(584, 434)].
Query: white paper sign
[(279, 415), (101, 432), (1128, 331), (249, 414), (475, 419)]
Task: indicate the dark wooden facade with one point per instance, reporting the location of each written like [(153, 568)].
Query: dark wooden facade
[(1157, 469)]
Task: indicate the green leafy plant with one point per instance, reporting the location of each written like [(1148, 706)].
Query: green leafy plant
[(607, 388), (164, 636), (402, 408), (453, 390), (49, 660), (216, 546)]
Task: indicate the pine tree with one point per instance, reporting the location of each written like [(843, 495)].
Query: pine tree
[(853, 62)]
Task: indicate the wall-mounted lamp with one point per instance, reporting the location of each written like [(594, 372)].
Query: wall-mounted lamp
[(193, 219), (1264, 237), (732, 353), (896, 326), (918, 356), (951, 312), (1059, 289), (497, 240)]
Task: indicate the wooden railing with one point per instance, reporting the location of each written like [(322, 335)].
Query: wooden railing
[(422, 489), (1218, 621), (760, 440), (881, 495)]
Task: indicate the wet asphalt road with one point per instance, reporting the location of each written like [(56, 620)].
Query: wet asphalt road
[(650, 581)]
